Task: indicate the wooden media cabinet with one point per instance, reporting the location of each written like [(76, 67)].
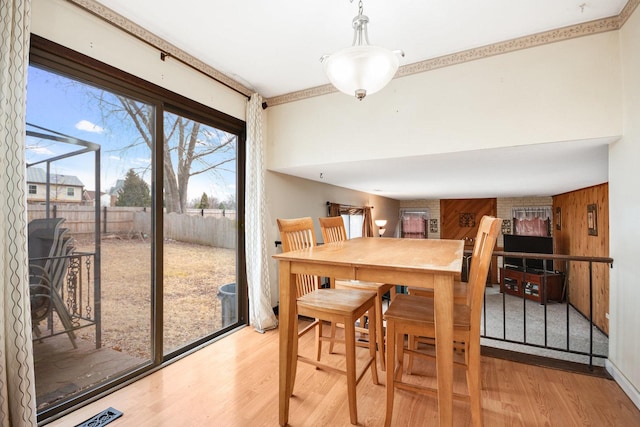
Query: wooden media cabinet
[(532, 284)]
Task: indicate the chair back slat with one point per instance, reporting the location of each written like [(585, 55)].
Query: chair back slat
[(332, 229), (298, 234), (305, 283), (480, 262)]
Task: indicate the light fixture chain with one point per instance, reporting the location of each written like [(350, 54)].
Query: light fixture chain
[(360, 6)]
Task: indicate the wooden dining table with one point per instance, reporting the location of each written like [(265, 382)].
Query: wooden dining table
[(427, 263)]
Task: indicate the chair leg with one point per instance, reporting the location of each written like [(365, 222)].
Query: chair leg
[(412, 345), (373, 326), (64, 317), (391, 366), (399, 357), (333, 337), (379, 333), (350, 344), (363, 323), (318, 339)]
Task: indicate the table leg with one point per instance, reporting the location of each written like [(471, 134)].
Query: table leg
[(443, 299), (288, 322), (391, 367)]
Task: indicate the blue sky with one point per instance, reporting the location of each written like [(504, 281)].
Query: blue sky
[(71, 108)]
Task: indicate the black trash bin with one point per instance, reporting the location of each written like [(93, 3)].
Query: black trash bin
[(228, 301)]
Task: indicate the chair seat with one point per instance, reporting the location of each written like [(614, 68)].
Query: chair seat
[(380, 289), (336, 301), (419, 311), (460, 290)]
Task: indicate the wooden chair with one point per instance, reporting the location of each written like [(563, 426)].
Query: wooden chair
[(334, 305), (460, 296), (333, 230), (414, 315), (460, 292)]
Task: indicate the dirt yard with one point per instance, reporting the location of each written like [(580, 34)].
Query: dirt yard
[(193, 275)]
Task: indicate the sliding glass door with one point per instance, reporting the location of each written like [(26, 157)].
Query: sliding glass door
[(200, 230), (135, 201)]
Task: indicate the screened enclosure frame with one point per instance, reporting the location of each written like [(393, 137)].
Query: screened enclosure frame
[(85, 147)]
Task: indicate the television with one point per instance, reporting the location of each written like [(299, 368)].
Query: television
[(528, 244)]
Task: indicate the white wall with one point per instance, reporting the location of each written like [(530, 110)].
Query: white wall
[(624, 223), (66, 24), (291, 197), (558, 92), (563, 91)]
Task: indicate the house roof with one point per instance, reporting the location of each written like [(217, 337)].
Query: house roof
[(39, 176), (113, 191)]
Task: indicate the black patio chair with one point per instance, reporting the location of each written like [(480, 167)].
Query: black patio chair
[(49, 246)]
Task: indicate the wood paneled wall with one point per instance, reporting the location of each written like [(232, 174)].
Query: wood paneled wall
[(454, 223), (573, 238), (452, 212)]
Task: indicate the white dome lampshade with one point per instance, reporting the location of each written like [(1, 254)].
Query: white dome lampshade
[(381, 223), (361, 69)]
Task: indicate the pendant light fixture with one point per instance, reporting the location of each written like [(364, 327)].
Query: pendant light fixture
[(361, 69)]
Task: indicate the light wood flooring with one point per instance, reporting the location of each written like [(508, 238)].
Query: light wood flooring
[(234, 382)]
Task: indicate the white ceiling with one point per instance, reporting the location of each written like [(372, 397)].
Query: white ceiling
[(521, 171), (274, 46)]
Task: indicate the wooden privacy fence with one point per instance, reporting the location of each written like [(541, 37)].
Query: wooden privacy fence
[(210, 231), (211, 227)]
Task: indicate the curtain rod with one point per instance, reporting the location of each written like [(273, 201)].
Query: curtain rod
[(349, 206), (145, 36)]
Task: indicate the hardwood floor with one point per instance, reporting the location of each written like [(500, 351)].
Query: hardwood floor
[(234, 382)]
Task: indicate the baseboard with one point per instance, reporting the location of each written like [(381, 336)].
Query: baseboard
[(545, 362), (622, 381)]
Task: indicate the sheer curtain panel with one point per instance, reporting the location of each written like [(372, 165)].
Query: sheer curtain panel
[(17, 379), (532, 221), (261, 313), (413, 224)]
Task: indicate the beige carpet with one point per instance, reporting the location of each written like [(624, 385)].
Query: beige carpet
[(533, 324)]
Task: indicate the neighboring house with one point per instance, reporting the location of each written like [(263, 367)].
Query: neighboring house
[(113, 192), (63, 188), (89, 197)]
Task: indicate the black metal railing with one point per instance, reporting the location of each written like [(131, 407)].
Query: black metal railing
[(530, 294), (68, 300)]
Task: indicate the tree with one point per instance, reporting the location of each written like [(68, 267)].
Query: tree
[(190, 148), (230, 202), (204, 202), (134, 192)]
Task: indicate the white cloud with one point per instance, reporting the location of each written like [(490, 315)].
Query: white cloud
[(142, 160), (112, 157), (88, 126), (42, 151)]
